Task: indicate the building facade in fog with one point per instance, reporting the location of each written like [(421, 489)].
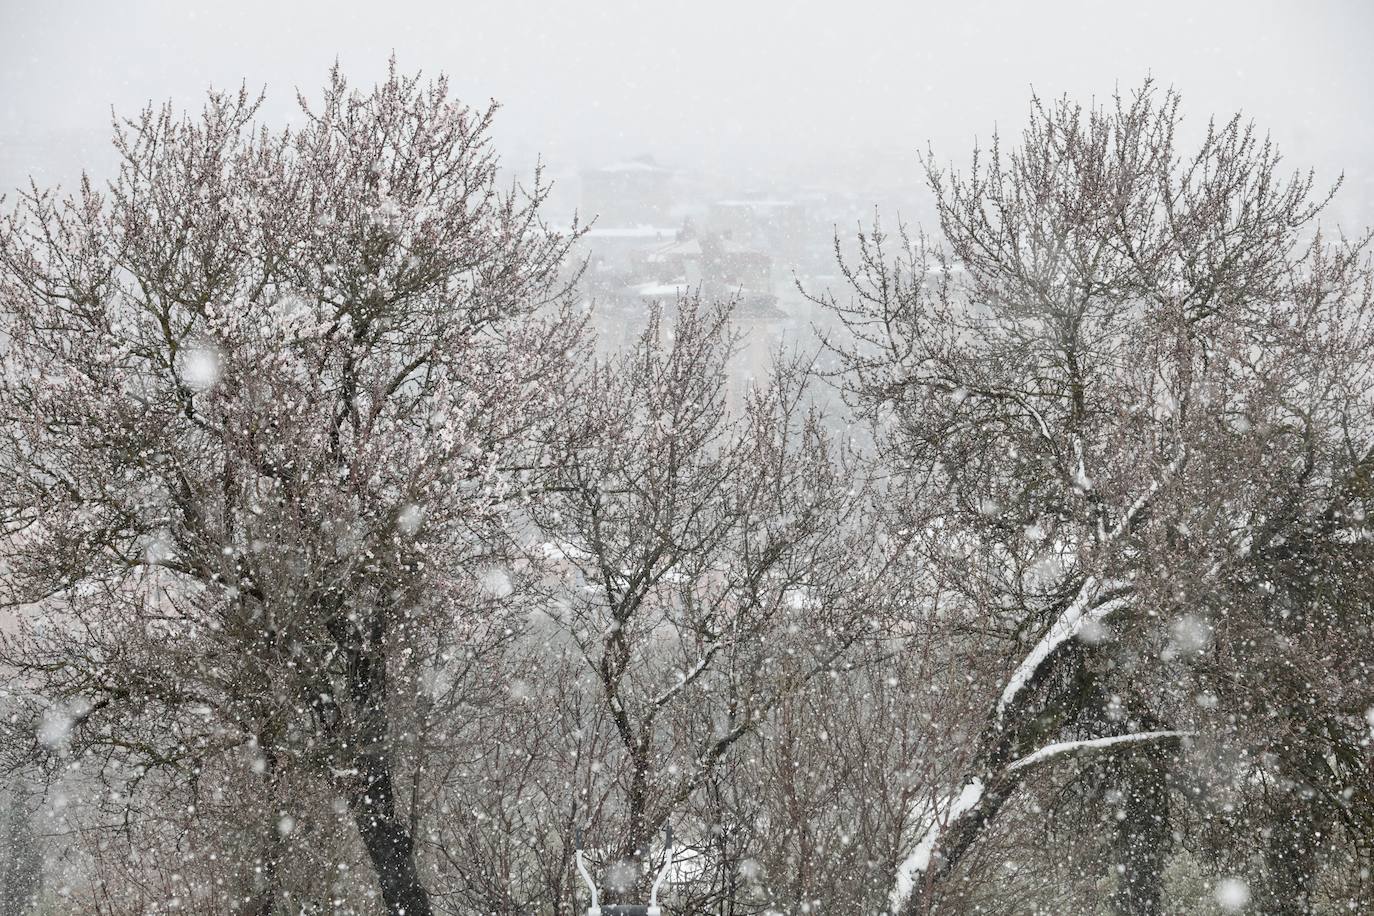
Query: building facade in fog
[(635, 192)]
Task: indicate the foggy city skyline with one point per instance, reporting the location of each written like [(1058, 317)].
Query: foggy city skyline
[(765, 94)]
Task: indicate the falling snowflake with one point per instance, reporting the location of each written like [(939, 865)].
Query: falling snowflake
[(1232, 894), (201, 368)]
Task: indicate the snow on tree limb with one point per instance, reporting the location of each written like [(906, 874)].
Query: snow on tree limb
[(1143, 501), (1080, 612), (1071, 748), (971, 796), (686, 678), (918, 860), (1095, 601)]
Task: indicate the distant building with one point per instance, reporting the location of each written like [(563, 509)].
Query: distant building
[(716, 264), (623, 250), (636, 192), (770, 224)]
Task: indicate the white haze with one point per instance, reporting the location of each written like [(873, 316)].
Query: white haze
[(767, 93)]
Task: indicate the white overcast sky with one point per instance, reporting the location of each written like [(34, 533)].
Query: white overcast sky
[(842, 92)]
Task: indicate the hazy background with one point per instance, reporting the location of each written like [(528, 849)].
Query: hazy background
[(841, 93)]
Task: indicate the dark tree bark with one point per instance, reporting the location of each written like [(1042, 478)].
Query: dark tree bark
[(21, 864), (1291, 854), (370, 790), (1143, 838), (389, 844), (264, 901)]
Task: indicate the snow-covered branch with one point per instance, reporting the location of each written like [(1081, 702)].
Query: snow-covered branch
[(937, 822), (1143, 501), (1095, 601), (918, 860), (1074, 748), (1080, 612), (1084, 608), (687, 677)]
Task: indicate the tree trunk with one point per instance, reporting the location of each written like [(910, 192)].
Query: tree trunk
[(1143, 838), (21, 864), (389, 844), (371, 791), (268, 890), (1291, 855), (630, 881)]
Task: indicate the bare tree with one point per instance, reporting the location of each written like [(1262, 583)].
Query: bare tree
[(264, 400), (720, 560), (1126, 378)]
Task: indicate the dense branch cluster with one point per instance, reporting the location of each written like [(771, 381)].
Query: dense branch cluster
[(340, 573)]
